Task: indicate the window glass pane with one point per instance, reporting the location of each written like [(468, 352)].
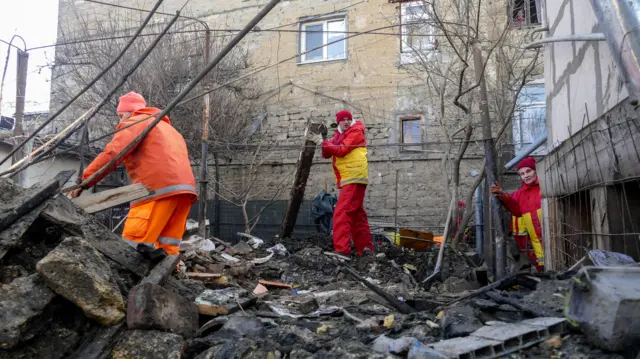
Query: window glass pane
[(313, 38), (415, 11), (415, 17), (337, 50), (531, 94), (411, 131), (529, 125)]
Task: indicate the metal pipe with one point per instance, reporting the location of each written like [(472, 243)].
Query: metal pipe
[(564, 38), (621, 26), (479, 223), (526, 152)]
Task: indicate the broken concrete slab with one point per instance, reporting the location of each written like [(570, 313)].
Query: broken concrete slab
[(150, 306), (240, 248), (221, 297), (603, 303), (244, 326), (421, 351), (148, 344), (384, 344), (460, 321), (78, 272), (22, 302), (472, 347)]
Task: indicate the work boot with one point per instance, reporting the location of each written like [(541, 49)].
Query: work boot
[(155, 255), (367, 257)]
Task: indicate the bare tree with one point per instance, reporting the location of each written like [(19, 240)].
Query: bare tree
[(172, 64), (248, 183), (446, 68)]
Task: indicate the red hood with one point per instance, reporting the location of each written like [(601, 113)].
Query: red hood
[(147, 111)]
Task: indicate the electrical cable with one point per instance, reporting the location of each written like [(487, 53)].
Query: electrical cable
[(87, 87)]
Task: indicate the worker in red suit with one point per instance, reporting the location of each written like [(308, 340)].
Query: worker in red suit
[(525, 207), (348, 153)]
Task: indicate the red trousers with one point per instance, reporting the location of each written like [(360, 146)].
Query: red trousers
[(350, 220), (159, 224), (523, 243)]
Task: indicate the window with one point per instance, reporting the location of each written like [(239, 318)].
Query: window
[(526, 12), (529, 122), (416, 31), (323, 37), (410, 133)]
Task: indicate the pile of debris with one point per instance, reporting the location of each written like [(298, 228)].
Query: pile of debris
[(72, 289)]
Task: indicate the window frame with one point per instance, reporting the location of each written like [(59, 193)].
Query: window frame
[(409, 55), (522, 105), (314, 21), (527, 22), (410, 147)]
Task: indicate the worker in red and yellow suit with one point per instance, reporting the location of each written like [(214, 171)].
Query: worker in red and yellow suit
[(525, 207), (348, 153), (161, 163)]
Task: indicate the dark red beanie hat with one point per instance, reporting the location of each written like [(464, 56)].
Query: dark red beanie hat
[(342, 115), (527, 162)]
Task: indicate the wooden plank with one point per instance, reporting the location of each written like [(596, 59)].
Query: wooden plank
[(162, 270), (299, 184), (106, 199)]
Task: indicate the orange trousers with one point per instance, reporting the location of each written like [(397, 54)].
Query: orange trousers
[(159, 224)]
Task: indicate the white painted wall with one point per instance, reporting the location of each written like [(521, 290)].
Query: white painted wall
[(582, 80), (42, 171)]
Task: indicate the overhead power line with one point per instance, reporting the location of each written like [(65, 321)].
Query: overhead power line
[(87, 87)]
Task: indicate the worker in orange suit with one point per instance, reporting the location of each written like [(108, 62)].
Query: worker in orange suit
[(155, 224), (525, 207), (348, 153)]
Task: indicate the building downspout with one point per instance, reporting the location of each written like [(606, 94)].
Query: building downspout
[(479, 221), (622, 29)]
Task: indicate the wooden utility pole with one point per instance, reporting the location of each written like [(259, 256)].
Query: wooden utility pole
[(206, 113), (18, 131), (492, 177), (300, 183)]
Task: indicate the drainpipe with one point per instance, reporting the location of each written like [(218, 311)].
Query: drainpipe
[(621, 27), (565, 38), (526, 152), (479, 221)]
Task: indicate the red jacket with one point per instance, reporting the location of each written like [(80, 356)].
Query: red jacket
[(348, 155), (160, 161), (525, 206)]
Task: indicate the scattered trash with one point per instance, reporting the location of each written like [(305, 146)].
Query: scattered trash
[(274, 284), (384, 345), (229, 257), (278, 249), (321, 330), (260, 290), (195, 243), (388, 321), (253, 241), (262, 260)]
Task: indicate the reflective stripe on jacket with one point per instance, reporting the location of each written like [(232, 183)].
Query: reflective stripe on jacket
[(348, 155), (160, 161), (525, 206)]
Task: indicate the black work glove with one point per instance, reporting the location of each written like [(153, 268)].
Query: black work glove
[(324, 132)]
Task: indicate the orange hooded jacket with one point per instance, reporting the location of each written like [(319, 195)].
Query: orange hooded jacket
[(160, 161)]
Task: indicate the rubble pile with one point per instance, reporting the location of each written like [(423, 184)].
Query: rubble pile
[(72, 289)]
